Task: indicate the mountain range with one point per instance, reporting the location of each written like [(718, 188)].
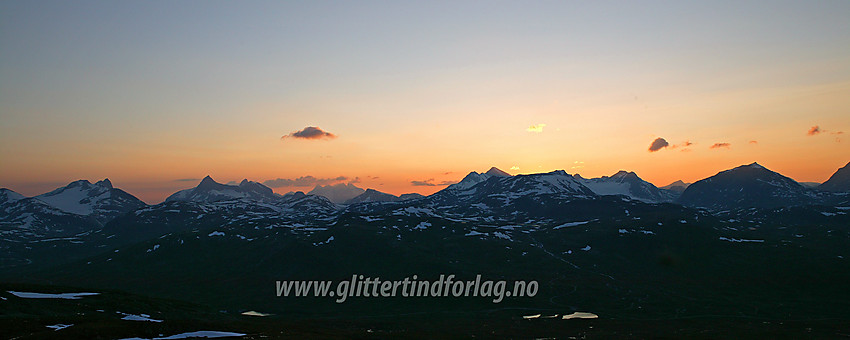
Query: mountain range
[(745, 186), (616, 246)]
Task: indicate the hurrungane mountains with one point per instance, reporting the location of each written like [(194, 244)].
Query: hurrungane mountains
[(745, 244)]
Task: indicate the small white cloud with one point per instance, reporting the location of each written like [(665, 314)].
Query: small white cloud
[(514, 167), (536, 128)]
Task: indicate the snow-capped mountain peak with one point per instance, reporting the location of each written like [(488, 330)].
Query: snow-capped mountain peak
[(9, 196), (626, 183), (468, 181), (100, 200), (106, 183)]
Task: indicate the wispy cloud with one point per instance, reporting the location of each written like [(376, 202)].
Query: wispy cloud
[(187, 180), (816, 130), (430, 183), (720, 145), (310, 132), (658, 144), (514, 167), (754, 142), (538, 128), (303, 181), (682, 145)]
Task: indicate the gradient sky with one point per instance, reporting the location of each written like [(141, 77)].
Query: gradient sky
[(157, 94)]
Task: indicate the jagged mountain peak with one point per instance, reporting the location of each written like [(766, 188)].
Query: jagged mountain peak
[(211, 191), (207, 182), (106, 183)]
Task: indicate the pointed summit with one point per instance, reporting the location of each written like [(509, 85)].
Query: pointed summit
[(211, 191), (623, 175), (678, 186), (105, 183), (372, 195), (496, 172), (753, 165)]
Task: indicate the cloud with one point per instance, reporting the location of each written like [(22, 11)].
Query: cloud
[(310, 132), (355, 180), (536, 128), (658, 144), (303, 181), (684, 144), (187, 180), (720, 145), (754, 142), (514, 167), (814, 130), (430, 183)]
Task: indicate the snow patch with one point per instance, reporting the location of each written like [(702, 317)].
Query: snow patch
[(198, 334), (66, 296), (140, 317), (571, 224), (59, 326), (502, 235), (739, 240), (580, 315)]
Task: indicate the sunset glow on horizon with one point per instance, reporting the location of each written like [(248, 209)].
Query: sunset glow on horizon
[(409, 97)]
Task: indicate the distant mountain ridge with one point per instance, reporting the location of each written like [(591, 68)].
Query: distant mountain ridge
[(839, 181), (745, 186), (629, 184), (677, 186), (372, 195), (81, 206), (211, 191), (337, 193)]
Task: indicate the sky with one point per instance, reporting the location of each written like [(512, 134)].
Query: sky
[(408, 96)]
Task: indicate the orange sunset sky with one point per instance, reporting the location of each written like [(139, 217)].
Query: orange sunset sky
[(156, 95)]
